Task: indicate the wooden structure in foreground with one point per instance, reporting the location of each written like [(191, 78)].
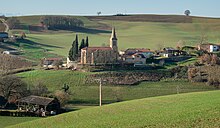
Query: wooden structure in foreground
[(39, 105)]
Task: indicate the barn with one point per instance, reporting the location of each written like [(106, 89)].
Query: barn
[(38, 104)]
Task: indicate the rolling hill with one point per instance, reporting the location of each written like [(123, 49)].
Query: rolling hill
[(141, 31), (201, 109)]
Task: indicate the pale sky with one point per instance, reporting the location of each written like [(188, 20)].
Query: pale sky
[(91, 7)]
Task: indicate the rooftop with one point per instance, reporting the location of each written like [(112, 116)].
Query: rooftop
[(96, 48), (36, 100)]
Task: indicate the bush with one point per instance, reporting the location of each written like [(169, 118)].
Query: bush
[(206, 59), (39, 89), (180, 72), (213, 82), (192, 73), (62, 96)]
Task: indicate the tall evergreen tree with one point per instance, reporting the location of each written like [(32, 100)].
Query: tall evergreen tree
[(87, 42), (73, 53), (82, 45), (77, 45)]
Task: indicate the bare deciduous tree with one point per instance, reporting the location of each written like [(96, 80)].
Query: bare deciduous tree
[(12, 87), (8, 63)]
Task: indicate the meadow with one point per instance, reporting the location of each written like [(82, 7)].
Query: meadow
[(131, 34), (83, 93), (200, 109), (7, 121)]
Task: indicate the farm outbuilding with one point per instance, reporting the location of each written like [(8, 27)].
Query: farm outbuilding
[(39, 104)]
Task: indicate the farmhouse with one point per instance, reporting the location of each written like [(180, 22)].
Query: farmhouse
[(136, 59), (171, 52), (136, 56), (209, 47), (51, 62), (101, 55)]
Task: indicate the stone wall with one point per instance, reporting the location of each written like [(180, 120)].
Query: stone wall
[(129, 78)]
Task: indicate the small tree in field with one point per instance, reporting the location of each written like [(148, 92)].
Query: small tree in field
[(99, 13), (187, 12)]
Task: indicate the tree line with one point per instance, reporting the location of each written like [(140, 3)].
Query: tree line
[(61, 22)]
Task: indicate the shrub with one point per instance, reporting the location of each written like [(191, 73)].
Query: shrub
[(62, 96), (213, 82), (206, 59), (192, 73), (215, 60)]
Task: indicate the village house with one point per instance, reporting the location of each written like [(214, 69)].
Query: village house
[(171, 52), (51, 62), (209, 47), (146, 52), (101, 55), (136, 59), (136, 56)]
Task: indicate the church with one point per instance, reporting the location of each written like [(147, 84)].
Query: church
[(101, 55)]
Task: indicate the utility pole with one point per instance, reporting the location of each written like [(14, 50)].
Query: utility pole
[(100, 92)]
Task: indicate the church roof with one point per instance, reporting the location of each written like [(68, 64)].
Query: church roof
[(97, 48)]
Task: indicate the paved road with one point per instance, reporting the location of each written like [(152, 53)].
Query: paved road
[(6, 25)]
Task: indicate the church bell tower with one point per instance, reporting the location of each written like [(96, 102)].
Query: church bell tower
[(114, 43)]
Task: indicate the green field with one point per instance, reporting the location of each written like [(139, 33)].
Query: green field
[(7, 121), (131, 34), (167, 111), (201, 109), (89, 93)]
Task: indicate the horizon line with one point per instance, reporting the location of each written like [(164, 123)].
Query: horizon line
[(60, 14)]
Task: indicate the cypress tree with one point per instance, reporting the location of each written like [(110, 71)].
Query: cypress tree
[(87, 42), (77, 45), (82, 45), (73, 52)]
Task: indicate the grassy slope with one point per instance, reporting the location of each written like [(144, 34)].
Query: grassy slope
[(7, 121), (88, 93), (200, 109), (131, 34)]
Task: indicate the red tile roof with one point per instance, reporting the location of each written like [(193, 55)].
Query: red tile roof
[(139, 50), (97, 48)]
